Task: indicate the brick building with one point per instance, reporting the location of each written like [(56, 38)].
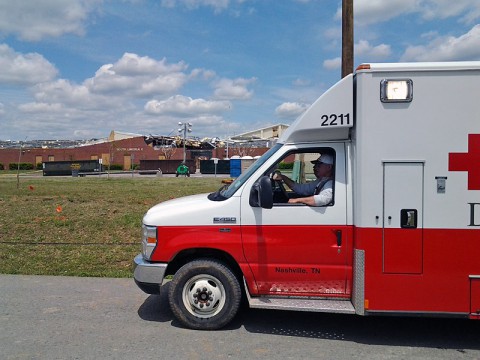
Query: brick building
[(121, 150)]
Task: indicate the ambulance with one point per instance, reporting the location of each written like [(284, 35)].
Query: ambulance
[(401, 235)]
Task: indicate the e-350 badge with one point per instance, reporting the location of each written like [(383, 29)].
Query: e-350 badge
[(224, 220)]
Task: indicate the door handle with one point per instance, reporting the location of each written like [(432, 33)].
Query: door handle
[(339, 237)]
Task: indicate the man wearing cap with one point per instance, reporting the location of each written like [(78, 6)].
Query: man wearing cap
[(315, 193)]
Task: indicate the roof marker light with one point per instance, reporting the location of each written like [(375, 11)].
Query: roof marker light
[(363, 67)]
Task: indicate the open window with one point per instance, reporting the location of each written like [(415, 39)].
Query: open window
[(297, 165)]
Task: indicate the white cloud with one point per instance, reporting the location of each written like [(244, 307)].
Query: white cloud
[(448, 48), (236, 89), (40, 108), (213, 122), (291, 109), (134, 65), (217, 5), (202, 73), (24, 69), (301, 82), (138, 76), (85, 134), (333, 33), (70, 94), (469, 10), (35, 20), (375, 11), (362, 48), (186, 106), (381, 51), (302, 94), (112, 98), (333, 64), (163, 84)]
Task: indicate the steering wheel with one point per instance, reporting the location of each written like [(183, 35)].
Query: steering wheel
[(280, 195)]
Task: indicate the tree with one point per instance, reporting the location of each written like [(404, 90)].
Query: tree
[(168, 150)]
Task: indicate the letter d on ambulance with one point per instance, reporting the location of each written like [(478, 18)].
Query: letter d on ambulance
[(472, 214)]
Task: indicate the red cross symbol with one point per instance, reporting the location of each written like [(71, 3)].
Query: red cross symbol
[(469, 161)]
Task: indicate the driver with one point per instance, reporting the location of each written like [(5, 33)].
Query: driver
[(315, 193)]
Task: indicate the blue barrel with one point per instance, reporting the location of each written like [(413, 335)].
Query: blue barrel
[(235, 167)]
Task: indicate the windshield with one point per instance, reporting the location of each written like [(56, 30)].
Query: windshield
[(226, 192)]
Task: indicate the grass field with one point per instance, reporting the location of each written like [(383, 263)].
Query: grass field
[(80, 226)]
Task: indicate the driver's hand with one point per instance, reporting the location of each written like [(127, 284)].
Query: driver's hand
[(277, 176)]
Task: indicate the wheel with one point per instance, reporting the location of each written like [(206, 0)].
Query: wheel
[(280, 194), (204, 294)]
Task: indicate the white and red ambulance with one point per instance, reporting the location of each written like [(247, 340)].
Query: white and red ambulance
[(400, 236)]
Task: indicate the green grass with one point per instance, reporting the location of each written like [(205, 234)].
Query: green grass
[(80, 226)]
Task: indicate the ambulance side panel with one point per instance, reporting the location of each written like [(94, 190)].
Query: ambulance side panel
[(413, 210)]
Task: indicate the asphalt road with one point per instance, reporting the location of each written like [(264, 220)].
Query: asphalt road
[(44, 317)]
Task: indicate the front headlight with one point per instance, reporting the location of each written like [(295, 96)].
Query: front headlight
[(149, 240)]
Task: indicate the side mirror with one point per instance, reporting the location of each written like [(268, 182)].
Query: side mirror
[(261, 194)]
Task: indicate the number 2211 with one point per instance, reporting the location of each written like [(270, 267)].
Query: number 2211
[(335, 120)]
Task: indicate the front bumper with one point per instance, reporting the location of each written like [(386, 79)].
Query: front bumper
[(147, 275)]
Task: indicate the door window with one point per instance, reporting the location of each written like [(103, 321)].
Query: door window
[(304, 178)]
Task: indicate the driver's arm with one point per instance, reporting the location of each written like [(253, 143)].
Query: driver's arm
[(309, 200), (323, 198)]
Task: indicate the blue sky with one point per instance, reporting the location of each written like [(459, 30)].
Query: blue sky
[(77, 69)]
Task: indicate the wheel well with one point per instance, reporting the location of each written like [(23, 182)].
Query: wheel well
[(186, 256)]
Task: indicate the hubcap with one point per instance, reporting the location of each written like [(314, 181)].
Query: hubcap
[(204, 296)]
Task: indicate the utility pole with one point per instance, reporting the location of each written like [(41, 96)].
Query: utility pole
[(347, 37), (18, 164), (184, 127)]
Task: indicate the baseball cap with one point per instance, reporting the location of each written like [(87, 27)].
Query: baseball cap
[(324, 158)]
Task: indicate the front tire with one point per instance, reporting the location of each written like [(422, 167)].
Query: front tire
[(204, 295)]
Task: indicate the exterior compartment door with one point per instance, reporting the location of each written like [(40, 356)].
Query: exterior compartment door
[(403, 218)]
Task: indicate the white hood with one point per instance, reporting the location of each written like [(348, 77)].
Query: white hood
[(191, 210)]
